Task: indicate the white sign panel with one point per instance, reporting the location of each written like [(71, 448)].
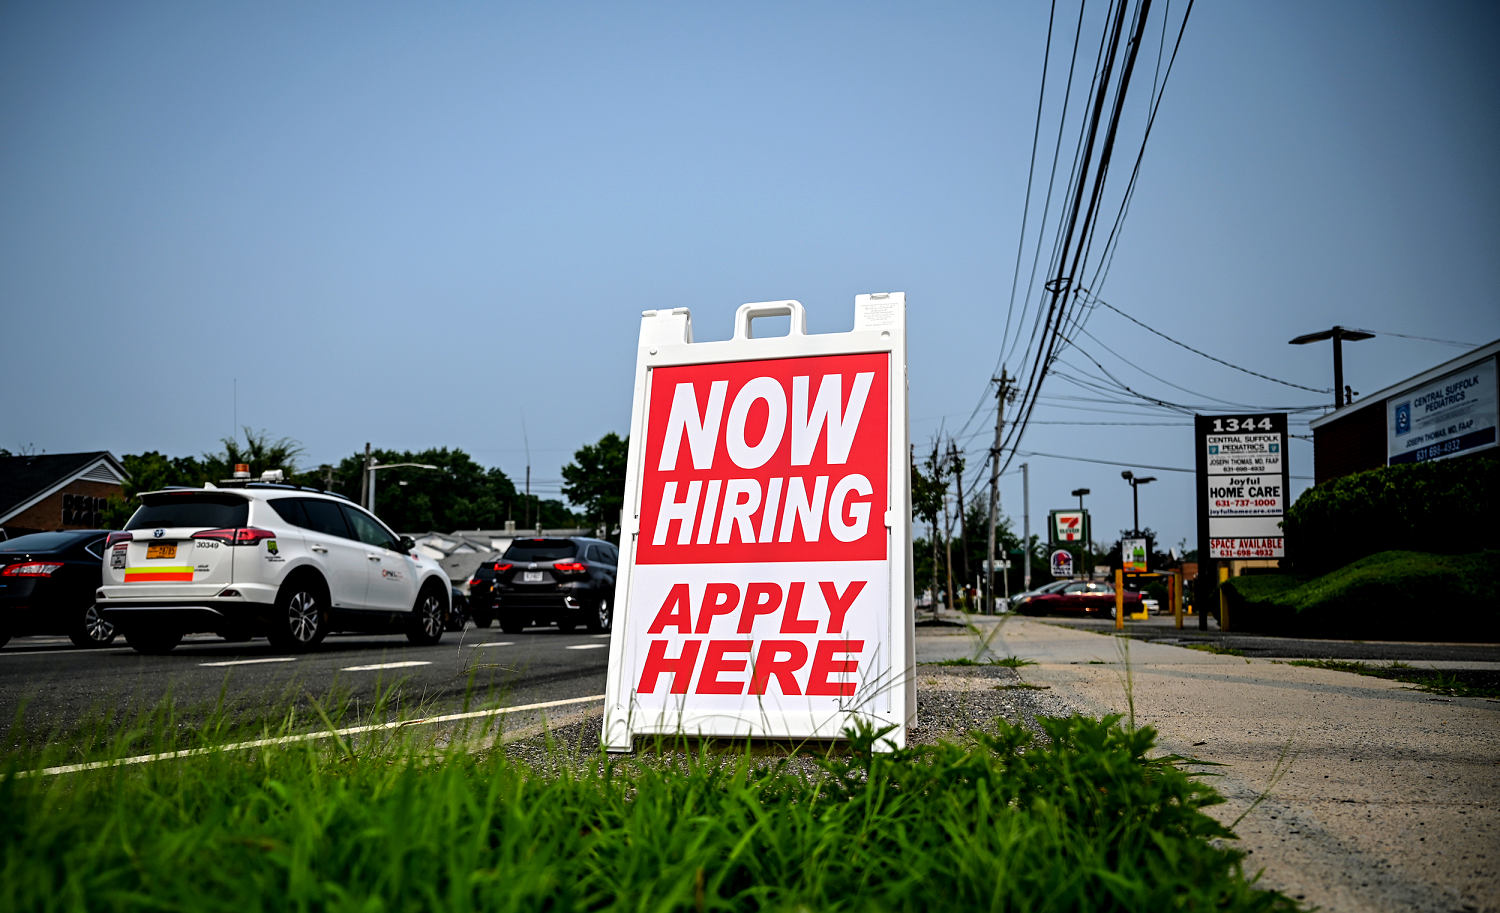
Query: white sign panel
[(1068, 526), (764, 577), (1242, 482), (1454, 414)]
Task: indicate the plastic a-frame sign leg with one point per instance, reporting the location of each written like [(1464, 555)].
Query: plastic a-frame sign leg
[(764, 585)]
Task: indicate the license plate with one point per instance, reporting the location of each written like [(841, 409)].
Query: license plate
[(162, 551), (531, 576)]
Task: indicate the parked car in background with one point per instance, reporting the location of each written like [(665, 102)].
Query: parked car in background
[(1021, 599), (1081, 597), (458, 610), (481, 599), (253, 558), (47, 586), (561, 581)]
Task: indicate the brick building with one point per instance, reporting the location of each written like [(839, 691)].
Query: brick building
[(57, 490)]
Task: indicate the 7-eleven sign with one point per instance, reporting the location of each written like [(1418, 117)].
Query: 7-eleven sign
[(1069, 526)]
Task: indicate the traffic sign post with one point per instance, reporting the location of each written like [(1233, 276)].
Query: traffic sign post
[(764, 584)]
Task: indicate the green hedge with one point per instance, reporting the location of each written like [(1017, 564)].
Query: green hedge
[(1448, 506), (1395, 594)]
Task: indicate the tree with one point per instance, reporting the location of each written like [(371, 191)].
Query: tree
[(595, 480), (258, 452), (459, 494), (150, 471)]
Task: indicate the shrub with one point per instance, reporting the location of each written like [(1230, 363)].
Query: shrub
[(1447, 507), (1376, 596)]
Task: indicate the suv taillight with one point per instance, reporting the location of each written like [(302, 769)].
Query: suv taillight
[(499, 566), (117, 539), (247, 535), (31, 569), (570, 567)]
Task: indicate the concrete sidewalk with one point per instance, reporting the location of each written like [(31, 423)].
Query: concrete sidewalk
[(1374, 796)]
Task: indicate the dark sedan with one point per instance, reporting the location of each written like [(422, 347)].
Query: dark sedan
[(1081, 597), (47, 585), (558, 581)]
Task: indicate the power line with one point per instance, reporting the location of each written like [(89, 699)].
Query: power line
[(1212, 358), (1446, 342), (1079, 459)]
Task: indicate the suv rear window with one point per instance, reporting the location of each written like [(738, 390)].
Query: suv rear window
[(204, 511), (540, 550)]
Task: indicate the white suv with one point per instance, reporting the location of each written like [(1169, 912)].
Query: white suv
[(251, 558)]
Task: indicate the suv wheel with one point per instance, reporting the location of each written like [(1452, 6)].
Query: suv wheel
[(301, 621), (601, 617), (428, 618), (151, 640), (90, 629)]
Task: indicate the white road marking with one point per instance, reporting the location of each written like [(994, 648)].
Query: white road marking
[(589, 647), (251, 662), (495, 643), (378, 666), (304, 737)]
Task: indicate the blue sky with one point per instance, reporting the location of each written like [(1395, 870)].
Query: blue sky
[(414, 224)]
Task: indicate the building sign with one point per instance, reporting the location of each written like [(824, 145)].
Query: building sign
[(1069, 526), (1135, 556), (764, 577), (1452, 415), (1243, 479), (1062, 563)]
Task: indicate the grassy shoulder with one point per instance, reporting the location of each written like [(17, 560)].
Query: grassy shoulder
[(1455, 683), (1395, 593), (1082, 819)]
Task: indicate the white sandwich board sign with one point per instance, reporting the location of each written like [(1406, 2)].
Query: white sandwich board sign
[(764, 585)]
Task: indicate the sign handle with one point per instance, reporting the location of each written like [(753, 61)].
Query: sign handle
[(748, 312)]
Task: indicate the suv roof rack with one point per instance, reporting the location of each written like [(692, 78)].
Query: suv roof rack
[(281, 486)]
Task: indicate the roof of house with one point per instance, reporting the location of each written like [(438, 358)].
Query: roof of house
[(25, 480)]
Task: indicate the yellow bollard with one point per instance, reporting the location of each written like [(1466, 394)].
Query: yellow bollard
[(1177, 597), (1119, 600), (1223, 603)]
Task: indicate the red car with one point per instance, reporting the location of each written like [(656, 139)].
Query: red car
[(1081, 597)]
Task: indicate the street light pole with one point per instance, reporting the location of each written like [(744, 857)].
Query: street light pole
[(1083, 522), (1135, 481), (1338, 334), (373, 466)]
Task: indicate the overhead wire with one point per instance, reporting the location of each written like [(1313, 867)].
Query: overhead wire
[(1203, 354)]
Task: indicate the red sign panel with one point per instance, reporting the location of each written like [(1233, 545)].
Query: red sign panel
[(762, 461)]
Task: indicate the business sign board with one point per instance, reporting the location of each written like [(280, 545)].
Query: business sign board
[(764, 585), (1243, 480), (1445, 417), (1069, 526), (1135, 556), (1062, 563)]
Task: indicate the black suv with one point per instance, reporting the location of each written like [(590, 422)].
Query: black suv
[(552, 581)]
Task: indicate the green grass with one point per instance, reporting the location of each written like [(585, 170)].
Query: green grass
[(1082, 819), (1219, 649), (1460, 683), (1012, 662)]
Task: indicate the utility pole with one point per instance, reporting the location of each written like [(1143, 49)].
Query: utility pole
[(364, 478), (1002, 393), (1026, 522), (963, 539), (937, 474)]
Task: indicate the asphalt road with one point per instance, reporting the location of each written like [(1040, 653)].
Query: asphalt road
[(46, 685)]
